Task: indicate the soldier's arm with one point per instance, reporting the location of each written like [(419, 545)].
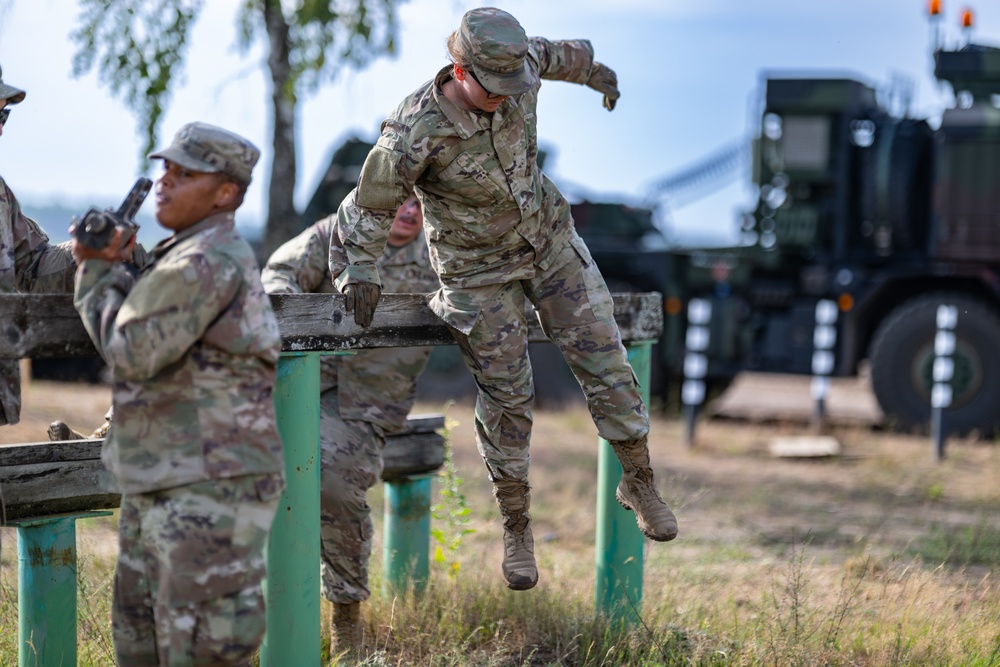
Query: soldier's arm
[(400, 157), (142, 328), (562, 60), (300, 265), (38, 265)]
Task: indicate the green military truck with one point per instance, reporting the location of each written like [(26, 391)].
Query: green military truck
[(885, 216), (881, 214)]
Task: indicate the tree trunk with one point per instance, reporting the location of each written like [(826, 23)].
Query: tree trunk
[(282, 219)]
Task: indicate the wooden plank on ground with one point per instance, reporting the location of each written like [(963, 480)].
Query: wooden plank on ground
[(45, 478)]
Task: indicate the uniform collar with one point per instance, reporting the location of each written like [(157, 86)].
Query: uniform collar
[(466, 123), (226, 219)]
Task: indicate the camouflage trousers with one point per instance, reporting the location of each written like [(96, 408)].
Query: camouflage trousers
[(351, 463), (576, 312), (190, 566)]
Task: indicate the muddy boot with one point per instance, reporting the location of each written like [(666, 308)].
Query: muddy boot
[(519, 570), (345, 640), (60, 430), (101, 432), (637, 492)]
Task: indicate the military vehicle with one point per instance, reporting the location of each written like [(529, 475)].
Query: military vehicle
[(879, 213), (873, 210)]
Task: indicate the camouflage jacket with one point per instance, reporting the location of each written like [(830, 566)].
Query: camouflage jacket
[(193, 346), (490, 213), (377, 385), (27, 264)]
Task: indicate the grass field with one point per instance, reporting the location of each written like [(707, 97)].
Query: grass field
[(880, 556)]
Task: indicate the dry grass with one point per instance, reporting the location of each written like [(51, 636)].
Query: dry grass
[(877, 557)]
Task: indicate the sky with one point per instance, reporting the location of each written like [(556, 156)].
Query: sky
[(690, 73)]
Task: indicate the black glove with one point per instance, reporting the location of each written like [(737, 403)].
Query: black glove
[(361, 299), (604, 80)]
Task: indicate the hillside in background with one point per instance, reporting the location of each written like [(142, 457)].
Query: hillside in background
[(54, 216)]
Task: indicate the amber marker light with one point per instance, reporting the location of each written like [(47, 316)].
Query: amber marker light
[(967, 18), (672, 305), (934, 7), (845, 302)]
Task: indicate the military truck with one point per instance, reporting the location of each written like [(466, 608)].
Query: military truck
[(879, 213)]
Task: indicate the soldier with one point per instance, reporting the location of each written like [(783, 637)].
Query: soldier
[(501, 235), (364, 397), (27, 263), (193, 347)]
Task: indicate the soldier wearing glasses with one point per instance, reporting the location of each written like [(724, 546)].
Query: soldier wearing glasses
[(501, 236)]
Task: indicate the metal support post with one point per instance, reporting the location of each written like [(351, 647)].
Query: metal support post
[(619, 543), (46, 590), (695, 363), (824, 338), (407, 534), (943, 371), (293, 586)]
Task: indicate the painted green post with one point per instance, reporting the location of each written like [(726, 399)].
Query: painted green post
[(620, 543), (46, 599), (407, 534), (293, 587)]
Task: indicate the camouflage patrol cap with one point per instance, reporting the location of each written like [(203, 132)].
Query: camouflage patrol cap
[(210, 149), (496, 45), (10, 93)]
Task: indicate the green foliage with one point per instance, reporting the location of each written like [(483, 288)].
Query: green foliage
[(322, 36), (453, 511), (962, 545), (138, 46)]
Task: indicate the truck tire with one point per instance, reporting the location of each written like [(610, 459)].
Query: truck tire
[(902, 357)]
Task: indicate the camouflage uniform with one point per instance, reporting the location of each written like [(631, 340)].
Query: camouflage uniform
[(364, 397), (193, 346), (500, 233), (27, 264)]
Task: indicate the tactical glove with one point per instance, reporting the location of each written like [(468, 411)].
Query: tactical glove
[(361, 299), (604, 80)]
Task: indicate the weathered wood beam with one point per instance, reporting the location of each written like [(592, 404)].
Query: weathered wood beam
[(47, 325), (46, 478)]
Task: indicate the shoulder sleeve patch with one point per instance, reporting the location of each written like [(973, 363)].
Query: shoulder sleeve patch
[(378, 185)]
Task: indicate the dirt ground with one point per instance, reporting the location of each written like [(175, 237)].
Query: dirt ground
[(881, 495)]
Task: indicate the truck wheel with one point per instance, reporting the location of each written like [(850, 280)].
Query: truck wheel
[(902, 358)]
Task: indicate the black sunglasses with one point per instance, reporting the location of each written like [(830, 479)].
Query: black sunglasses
[(6, 112), (489, 95)]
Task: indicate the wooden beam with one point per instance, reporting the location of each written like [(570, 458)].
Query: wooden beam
[(42, 479), (47, 325)]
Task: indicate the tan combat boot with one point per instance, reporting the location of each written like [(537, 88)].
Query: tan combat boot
[(345, 640), (638, 493), (519, 570), (60, 430)]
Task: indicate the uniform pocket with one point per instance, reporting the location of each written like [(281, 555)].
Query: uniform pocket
[(476, 180)]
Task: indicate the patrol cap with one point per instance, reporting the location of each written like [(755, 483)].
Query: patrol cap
[(210, 149), (496, 45), (10, 93)]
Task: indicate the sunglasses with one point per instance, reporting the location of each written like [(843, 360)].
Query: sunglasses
[(3, 115), (489, 95)]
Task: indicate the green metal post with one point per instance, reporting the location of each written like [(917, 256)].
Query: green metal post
[(46, 602), (46, 597), (619, 544), (407, 534), (293, 587)]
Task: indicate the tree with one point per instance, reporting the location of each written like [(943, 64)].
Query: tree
[(138, 47)]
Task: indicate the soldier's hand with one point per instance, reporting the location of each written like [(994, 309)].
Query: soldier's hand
[(604, 80), (108, 253), (361, 299)]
